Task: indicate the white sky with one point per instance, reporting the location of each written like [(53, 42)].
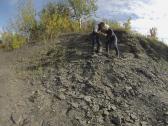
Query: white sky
[(154, 14), (0, 32), (146, 14)]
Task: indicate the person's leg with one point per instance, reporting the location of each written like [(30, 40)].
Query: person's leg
[(107, 45), (93, 41), (116, 49), (99, 44)]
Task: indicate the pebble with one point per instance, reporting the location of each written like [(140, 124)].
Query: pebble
[(112, 107), (95, 108), (133, 117), (166, 113), (75, 105), (87, 98), (100, 119), (143, 123), (61, 96), (116, 120), (105, 112), (128, 88)]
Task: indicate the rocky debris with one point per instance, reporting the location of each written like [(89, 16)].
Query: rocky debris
[(20, 120), (108, 91), (166, 117), (61, 96), (75, 105), (34, 96), (133, 117), (87, 99), (116, 120), (45, 123), (143, 123)]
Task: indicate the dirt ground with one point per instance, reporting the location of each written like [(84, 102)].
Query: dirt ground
[(23, 101), (88, 90), (12, 91)]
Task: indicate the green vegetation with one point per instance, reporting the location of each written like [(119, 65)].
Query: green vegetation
[(12, 41), (127, 25), (63, 16), (82, 9), (56, 17)]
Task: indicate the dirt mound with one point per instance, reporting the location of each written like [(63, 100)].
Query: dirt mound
[(81, 89)]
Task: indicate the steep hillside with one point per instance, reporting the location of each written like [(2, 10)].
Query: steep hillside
[(76, 88)]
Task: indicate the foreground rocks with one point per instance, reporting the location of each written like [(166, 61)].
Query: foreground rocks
[(106, 91)]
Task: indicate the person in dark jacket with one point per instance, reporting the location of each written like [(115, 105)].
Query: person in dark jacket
[(105, 30), (96, 39), (112, 42)]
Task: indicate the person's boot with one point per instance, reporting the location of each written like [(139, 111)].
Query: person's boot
[(93, 51), (101, 50), (98, 50), (107, 54)]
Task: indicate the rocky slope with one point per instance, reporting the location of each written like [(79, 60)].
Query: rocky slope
[(76, 88)]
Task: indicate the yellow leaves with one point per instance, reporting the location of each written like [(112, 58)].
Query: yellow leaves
[(57, 23), (13, 41), (17, 41)]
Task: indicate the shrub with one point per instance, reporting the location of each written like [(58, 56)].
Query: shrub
[(18, 41), (114, 24), (13, 41), (54, 24), (127, 25)]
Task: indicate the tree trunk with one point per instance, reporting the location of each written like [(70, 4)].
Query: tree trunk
[(80, 23)]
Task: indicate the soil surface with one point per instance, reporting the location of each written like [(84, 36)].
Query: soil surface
[(62, 83), (12, 91)]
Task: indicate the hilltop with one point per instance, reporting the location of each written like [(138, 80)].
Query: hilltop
[(71, 87)]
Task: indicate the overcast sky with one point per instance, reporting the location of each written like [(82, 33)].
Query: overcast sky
[(144, 13)]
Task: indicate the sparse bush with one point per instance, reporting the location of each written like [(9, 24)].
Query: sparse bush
[(127, 25), (7, 39), (153, 34), (18, 41), (13, 41), (82, 9), (53, 56), (57, 18), (2, 46), (114, 24)]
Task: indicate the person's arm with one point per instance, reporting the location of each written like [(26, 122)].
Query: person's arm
[(101, 33)]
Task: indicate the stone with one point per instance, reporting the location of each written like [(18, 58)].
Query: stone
[(61, 96), (128, 88), (105, 112), (133, 117), (128, 120), (166, 113), (62, 90), (111, 107), (109, 93), (75, 105), (15, 118), (95, 108), (87, 99), (82, 122), (116, 120), (143, 123), (88, 114), (100, 119)]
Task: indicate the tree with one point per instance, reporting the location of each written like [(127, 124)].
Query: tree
[(59, 8), (127, 25), (153, 32), (27, 19), (24, 22), (55, 17), (82, 9)]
